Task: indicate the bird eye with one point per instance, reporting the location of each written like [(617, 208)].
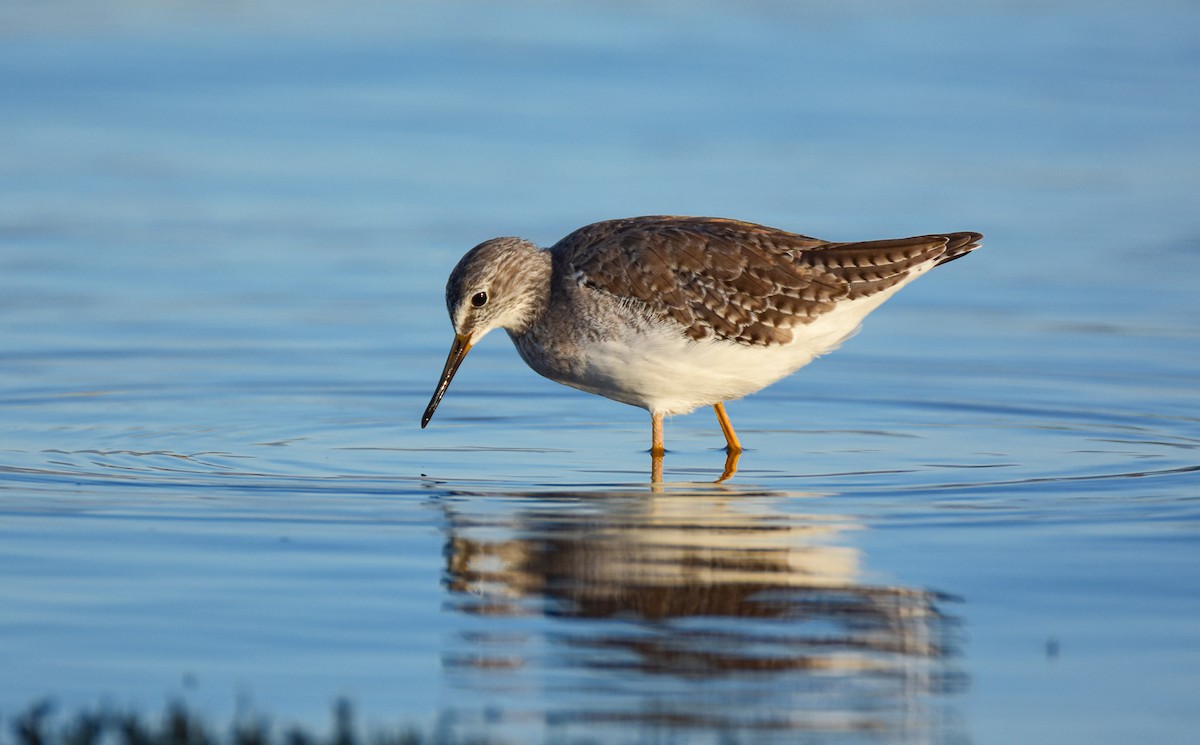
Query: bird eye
[(479, 299)]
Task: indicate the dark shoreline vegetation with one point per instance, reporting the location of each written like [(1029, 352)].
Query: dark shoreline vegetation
[(41, 724)]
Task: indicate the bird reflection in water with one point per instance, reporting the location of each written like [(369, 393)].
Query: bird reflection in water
[(712, 608)]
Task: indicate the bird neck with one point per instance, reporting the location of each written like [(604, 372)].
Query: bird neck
[(533, 279)]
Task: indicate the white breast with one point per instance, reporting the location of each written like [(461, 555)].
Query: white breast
[(661, 370)]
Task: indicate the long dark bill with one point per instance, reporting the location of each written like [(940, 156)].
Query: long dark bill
[(458, 352)]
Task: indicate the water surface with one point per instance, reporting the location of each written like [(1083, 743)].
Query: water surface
[(223, 241)]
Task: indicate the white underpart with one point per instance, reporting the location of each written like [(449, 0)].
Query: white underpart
[(669, 374)]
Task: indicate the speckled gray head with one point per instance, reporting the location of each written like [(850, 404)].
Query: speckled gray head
[(492, 287), (500, 283)]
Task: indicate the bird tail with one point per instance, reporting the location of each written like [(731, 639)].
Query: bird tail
[(959, 245)]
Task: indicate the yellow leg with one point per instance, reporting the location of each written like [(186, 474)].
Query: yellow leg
[(656, 448), (731, 440), (656, 435)]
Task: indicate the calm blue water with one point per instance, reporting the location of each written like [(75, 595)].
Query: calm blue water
[(223, 240)]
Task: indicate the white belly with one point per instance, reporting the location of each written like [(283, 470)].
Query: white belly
[(665, 372)]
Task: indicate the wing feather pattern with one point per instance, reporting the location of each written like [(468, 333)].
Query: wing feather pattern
[(725, 279)]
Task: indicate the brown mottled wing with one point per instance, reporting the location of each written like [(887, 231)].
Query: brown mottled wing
[(733, 280), (868, 267)]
